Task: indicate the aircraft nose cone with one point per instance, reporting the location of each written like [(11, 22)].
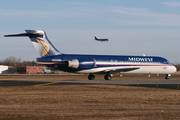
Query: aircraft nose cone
[(174, 69)]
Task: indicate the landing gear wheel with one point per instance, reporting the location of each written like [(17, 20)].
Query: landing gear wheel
[(167, 76), (91, 77), (107, 77)]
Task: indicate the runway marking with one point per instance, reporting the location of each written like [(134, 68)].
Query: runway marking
[(46, 84)]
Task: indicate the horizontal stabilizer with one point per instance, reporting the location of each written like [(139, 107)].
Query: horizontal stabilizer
[(31, 35)]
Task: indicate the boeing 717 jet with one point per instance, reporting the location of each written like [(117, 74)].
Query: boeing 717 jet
[(95, 64)]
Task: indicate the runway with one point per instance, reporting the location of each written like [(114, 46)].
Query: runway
[(160, 83)]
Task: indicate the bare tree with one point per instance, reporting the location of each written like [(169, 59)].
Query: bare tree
[(12, 61)]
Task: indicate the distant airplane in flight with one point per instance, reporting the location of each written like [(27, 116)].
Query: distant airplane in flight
[(95, 64), (102, 40)]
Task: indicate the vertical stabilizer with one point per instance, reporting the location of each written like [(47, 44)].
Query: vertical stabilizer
[(42, 43)]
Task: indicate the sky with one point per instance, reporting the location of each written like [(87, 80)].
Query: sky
[(133, 27)]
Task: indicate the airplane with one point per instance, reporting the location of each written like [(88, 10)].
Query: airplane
[(102, 40), (95, 64)]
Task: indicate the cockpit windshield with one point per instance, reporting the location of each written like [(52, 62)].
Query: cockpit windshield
[(168, 62)]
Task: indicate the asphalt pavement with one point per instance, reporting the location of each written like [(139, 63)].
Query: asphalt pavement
[(155, 83)]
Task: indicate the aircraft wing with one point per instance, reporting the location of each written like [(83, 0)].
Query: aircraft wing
[(114, 71)]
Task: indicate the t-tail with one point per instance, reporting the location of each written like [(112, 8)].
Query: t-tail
[(95, 38), (40, 42)]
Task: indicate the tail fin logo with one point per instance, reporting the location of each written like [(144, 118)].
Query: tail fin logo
[(46, 47)]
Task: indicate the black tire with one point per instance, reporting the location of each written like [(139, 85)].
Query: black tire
[(91, 77), (167, 76), (107, 77)]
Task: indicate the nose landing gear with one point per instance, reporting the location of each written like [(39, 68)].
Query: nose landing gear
[(167, 76)]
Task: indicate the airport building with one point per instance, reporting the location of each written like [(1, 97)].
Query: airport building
[(12, 70), (3, 69), (26, 70), (30, 70)]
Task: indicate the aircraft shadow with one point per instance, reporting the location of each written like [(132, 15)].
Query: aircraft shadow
[(8, 83), (165, 86)]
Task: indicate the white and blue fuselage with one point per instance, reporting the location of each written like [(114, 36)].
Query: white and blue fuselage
[(92, 64)]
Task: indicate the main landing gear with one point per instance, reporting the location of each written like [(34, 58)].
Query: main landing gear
[(106, 77), (91, 77)]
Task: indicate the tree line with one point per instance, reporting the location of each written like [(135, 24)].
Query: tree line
[(16, 62)]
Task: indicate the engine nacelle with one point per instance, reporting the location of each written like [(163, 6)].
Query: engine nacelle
[(73, 63), (82, 63)]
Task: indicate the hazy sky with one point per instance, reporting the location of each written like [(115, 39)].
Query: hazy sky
[(133, 27)]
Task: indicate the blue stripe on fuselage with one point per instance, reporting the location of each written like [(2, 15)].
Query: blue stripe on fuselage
[(104, 58)]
